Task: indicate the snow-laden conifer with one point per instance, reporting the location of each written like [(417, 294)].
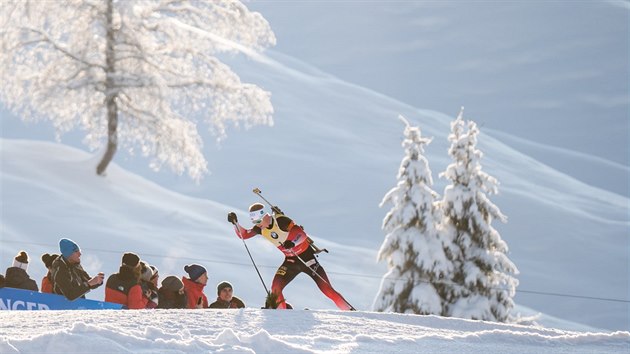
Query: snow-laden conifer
[(134, 74), (413, 246), (484, 282)]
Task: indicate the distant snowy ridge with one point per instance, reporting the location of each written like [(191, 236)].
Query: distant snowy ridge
[(604, 173), (287, 66)]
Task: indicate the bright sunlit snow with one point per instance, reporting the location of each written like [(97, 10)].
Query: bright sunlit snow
[(298, 331)]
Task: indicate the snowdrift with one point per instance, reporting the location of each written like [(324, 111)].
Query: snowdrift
[(290, 331)]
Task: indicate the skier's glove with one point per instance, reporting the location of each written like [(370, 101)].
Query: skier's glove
[(288, 244), (232, 218), (276, 210)]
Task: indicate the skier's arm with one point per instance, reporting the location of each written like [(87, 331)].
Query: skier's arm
[(296, 236), (244, 233)]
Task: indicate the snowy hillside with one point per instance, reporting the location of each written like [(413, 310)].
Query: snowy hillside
[(340, 143), (552, 73), (47, 188), (50, 191)]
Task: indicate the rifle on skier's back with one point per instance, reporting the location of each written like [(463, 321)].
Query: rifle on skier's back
[(277, 210)]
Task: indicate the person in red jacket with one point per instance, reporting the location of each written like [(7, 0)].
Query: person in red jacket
[(294, 243), (47, 286), (194, 284), (124, 287)]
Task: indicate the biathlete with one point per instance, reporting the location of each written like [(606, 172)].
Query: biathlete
[(293, 242)]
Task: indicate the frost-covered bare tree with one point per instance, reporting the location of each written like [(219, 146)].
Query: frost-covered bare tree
[(133, 74), (413, 246), (483, 280)]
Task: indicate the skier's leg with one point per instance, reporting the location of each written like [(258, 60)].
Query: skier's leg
[(284, 275), (326, 288)]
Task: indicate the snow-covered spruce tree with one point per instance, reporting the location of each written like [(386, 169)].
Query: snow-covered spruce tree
[(134, 74), (413, 246), (484, 282)]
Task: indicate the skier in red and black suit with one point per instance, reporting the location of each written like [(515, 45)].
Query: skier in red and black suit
[(292, 241)]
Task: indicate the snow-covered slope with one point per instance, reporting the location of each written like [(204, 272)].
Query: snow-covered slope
[(298, 331)]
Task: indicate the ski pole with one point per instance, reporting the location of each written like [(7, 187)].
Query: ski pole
[(315, 272), (254, 263)]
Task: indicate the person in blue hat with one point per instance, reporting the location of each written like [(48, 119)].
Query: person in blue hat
[(69, 278)]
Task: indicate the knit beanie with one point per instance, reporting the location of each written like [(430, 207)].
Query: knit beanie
[(130, 259), (21, 260), (146, 273), (48, 259), (172, 283), (67, 247), (222, 285), (194, 271)]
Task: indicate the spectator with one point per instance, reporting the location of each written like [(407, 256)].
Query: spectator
[(225, 298), (198, 278), (16, 275), (68, 277), (47, 286), (155, 277), (124, 287), (149, 290), (1, 281), (172, 295)]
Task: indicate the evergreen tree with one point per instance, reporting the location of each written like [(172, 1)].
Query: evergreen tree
[(133, 74), (483, 280), (413, 246)]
